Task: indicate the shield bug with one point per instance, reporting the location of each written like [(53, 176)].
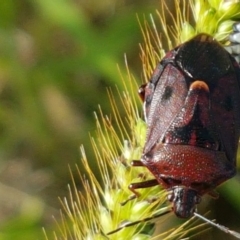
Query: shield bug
[(192, 112)]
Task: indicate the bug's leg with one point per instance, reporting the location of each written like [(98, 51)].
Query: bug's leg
[(145, 184), (234, 38), (137, 163), (133, 186)]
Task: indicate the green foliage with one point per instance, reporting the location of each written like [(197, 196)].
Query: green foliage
[(56, 60)]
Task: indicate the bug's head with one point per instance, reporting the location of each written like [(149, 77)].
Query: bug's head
[(184, 201)]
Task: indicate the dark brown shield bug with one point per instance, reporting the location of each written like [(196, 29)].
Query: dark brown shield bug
[(192, 112)]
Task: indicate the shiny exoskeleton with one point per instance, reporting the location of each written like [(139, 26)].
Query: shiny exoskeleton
[(192, 112)]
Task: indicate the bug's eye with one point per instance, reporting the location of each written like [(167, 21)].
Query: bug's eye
[(141, 91)]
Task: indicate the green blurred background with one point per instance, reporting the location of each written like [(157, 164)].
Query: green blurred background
[(56, 59)]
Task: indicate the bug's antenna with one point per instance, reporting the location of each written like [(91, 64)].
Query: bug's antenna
[(219, 226)]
